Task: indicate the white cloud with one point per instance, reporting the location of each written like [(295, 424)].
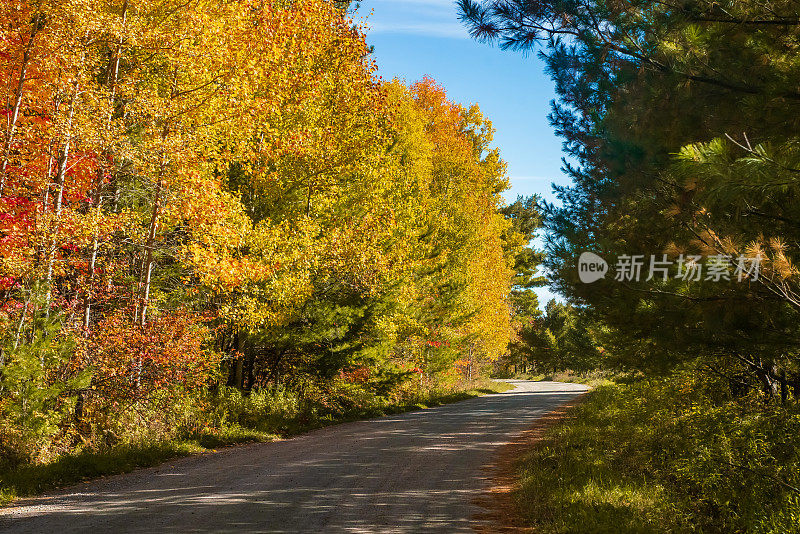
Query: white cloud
[(429, 18)]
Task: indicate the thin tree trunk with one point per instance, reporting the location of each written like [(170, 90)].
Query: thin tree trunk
[(784, 387), (238, 374), (12, 127), (115, 207), (147, 267), (98, 198), (251, 363), (50, 161), (87, 305), (114, 71), (469, 366), (767, 383), (21, 322), (60, 178), (46, 194)]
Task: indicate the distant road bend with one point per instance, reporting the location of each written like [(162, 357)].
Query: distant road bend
[(410, 473)]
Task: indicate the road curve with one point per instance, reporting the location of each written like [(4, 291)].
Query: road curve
[(415, 472)]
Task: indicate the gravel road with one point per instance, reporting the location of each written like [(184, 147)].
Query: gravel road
[(415, 472)]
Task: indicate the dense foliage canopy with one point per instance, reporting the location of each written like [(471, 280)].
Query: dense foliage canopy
[(203, 194), (679, 121)]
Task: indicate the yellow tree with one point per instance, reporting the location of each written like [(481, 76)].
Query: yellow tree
[(456, 295)]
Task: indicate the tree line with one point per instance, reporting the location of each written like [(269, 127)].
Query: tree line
[(206, 194), (680, 127)]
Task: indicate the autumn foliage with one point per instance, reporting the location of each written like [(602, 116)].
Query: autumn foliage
[(199, 195)]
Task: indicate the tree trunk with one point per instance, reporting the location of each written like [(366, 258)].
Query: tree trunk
[(147, 267), (12, 127), (50, 160), (469, 365), (98, 197), (250, 369), (784, 387), (87, 304), (230, 345), (60, 178), (238, 379), (21, 322), (767, 383)]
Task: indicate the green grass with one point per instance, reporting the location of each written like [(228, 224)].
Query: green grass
[(438, 399), (591, 378), (664, 456), (30, 480)]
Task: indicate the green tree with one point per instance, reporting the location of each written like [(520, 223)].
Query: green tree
[(678, 120)]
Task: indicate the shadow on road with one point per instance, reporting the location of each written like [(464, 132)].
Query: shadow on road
[(414, 472)]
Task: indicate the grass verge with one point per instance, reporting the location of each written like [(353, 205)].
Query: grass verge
[(664, 456), (30, 480), (592, 378)]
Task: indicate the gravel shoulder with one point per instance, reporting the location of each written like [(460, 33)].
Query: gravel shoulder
[(414, 472)]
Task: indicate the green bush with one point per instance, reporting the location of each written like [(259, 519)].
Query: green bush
[(146, 433), (38, 391), (666, 455), (265, 409)]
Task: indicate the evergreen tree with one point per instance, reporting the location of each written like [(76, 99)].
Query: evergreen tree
[(679, 120)]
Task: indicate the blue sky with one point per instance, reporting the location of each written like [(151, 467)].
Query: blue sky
[(415, 38)]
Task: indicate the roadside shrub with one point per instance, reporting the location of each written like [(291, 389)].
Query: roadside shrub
[(666, 455), (38, 390), (268, 409)]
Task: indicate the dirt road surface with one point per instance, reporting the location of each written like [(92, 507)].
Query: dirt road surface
[(410, 473)]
